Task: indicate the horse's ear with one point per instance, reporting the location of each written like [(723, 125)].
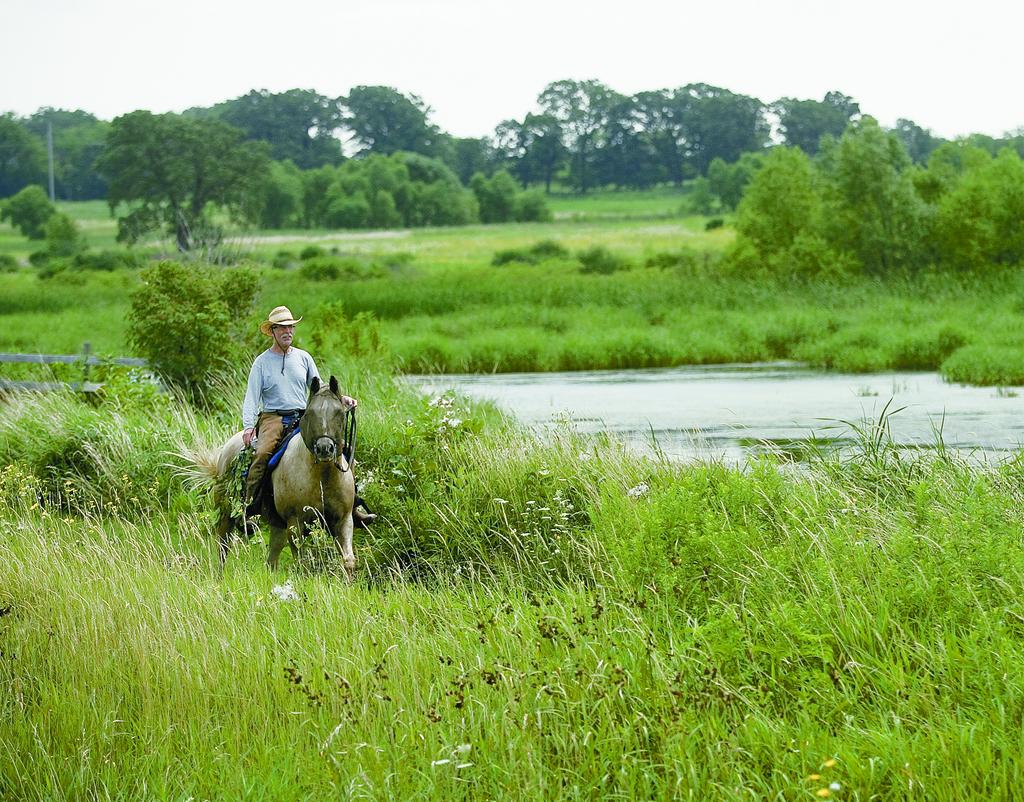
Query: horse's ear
[(334, 385), (315, 386)]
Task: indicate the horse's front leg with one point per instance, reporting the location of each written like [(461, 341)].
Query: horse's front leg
[(341, 530)]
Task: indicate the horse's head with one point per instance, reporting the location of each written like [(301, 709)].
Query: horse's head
[(323, 424)]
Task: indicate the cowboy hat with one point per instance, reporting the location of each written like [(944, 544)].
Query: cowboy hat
[(279, 316)]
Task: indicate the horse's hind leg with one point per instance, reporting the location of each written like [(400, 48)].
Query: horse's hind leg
[(225, 525), (278, 538)]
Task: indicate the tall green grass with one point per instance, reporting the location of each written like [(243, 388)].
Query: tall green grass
[(551, 619)]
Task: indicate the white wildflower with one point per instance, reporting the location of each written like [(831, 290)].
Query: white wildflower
[(835, 786), (443, 761), (639, 491), (501, 501), (285, 592)]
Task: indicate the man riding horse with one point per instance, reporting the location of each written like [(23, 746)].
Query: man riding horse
[(275, 398)]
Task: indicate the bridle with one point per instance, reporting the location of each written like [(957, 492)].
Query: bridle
[(348, 438)]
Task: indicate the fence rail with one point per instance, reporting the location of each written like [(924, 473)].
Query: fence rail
[(86, 359)]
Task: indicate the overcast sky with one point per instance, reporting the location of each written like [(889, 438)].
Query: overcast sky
[(953, 68)]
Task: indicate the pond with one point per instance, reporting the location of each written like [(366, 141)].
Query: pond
[(733, 411)]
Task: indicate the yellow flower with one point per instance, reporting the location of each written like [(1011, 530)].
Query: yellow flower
[(829, 763), (814, 777), (824, 793)]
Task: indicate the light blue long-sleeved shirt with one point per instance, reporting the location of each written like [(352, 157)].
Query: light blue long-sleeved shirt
[(277, 381)]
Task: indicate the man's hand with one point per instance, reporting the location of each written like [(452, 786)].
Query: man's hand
[(349, 401), (247, 436)]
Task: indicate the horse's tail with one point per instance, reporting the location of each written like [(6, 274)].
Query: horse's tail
[(199, 466)]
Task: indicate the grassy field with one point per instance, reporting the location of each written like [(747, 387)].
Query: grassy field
[(531, 620), (441, 306)]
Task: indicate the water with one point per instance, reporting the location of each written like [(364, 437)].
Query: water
[(733, 411)]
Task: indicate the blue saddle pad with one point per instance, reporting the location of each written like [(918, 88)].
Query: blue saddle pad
[(280, 449)]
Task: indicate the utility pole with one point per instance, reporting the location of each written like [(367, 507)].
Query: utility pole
[(49, 149)]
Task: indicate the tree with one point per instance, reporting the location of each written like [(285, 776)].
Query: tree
[(977, 224), (874, 212), (78, 139), (471, 155), (583, 109), (280, 197), (728, 181), (299, 125), (171, 169), (918, 141), (531, 150), (383, 120), (624, 156), (661, 119), (22, 157), (717, 122), (804, 122), (782, 201), (28, 211)]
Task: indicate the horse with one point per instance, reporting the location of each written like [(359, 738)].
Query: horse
[(313, 480)]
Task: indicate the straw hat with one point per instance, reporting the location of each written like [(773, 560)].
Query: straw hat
[(279, 316)]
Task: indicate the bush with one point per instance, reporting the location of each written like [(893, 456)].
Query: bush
[(332, 268), (63, 238), (496, 196), (109, 260), (28, 211), (599, 259), (684, 259), (192, 323), (532, 207), (8, 264), (540, 252), (713, 223), (283, 260), (311, 252)]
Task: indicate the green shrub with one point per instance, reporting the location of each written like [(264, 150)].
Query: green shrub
[(541, 251), (63, 238), (532, 207), (713, 223), (8, 264), (283, 260), (600, 260), (109, 260), (332, 268), (548, 249), (684, 259), (191, 322), (28, 211), (52, 267), (311, 252), (496, 196), (985, 364)]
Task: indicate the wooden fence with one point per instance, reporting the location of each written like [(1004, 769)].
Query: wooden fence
[(86, 360)]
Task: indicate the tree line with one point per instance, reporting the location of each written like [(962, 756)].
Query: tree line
[(373, 158), (583, 134)]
